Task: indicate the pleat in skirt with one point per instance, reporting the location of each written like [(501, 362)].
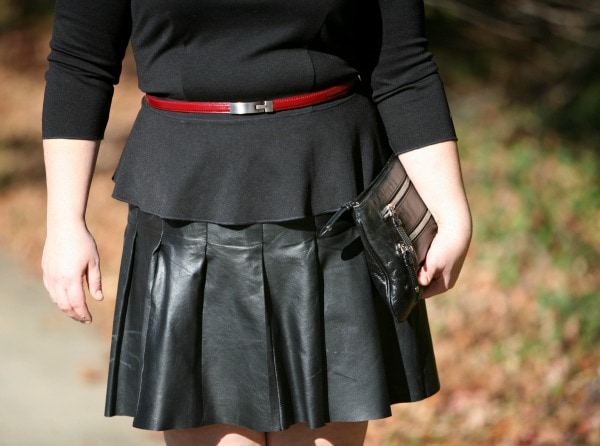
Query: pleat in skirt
[(263, 326)]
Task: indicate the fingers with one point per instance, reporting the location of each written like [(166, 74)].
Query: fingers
[(94, 280), (70, 259), (441, 269), (423, 276), (75, 305), (435, 287), (433, 281), (70, 299)]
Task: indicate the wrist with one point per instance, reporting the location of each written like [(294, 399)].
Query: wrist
[(65, 223)]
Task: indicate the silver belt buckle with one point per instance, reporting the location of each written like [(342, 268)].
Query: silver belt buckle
[(248, 108)]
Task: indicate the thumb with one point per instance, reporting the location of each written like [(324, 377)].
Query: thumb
[(430, 272), (94, 279), (423, 276)]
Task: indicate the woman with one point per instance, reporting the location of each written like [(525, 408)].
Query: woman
[(235, 324)]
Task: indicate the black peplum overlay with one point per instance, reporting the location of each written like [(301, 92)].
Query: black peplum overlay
[(232, 169)]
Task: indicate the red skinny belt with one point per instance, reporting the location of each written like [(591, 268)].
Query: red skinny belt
[(242, 108)]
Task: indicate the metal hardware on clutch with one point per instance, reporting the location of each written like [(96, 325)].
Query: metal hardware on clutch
[(401, 248), (387, 211), (399, 194), (247, 108)]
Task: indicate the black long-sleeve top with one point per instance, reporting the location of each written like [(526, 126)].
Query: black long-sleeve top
[(234, 169)]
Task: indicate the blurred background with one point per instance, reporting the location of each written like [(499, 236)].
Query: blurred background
[(517, 339)]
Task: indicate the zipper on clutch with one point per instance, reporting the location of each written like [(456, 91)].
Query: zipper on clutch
[(405, 248), (390, 208)]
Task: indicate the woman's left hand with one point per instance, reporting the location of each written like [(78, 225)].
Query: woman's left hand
[(435, 171), (444, 260)]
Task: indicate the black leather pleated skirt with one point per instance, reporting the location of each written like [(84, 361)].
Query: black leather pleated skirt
[(261, 325)]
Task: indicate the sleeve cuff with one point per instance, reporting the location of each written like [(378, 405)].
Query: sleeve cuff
[(417, 116), (75, 108)]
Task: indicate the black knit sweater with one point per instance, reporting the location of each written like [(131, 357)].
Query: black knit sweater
[(232, 169)]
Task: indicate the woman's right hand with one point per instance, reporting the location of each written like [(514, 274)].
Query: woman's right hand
[(70, 261), (70, 258)]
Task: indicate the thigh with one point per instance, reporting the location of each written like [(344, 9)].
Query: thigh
[(215, 435), (333, 434)]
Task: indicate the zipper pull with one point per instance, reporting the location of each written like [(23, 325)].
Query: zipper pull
[(332, 221), (387, 211)]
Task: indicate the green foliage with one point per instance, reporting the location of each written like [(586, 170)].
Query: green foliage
[(577, 318), (536, 199)]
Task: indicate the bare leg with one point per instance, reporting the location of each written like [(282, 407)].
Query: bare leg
[(334, 434), (215, 435)]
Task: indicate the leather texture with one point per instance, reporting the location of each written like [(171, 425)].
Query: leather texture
[(396, 229), (262, 325)]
